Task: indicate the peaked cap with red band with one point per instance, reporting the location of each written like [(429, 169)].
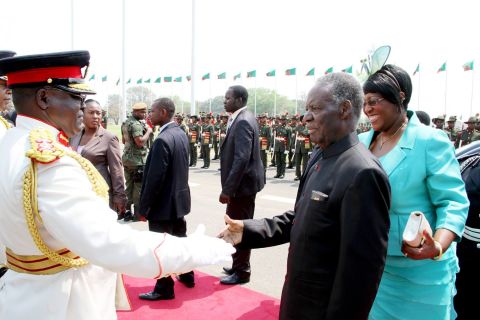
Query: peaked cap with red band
[(5, 54), (62, 70)]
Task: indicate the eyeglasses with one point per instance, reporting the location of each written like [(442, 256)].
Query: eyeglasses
[(80, 97), (372, 102)]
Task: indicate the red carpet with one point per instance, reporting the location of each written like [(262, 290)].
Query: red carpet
[(208, 300)]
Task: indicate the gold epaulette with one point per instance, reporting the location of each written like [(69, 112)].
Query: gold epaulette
[(44, 147)]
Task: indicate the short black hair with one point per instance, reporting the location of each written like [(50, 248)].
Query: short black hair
[(92, 100), (423, 117), (240, 92), (389, 81), (167, 104)]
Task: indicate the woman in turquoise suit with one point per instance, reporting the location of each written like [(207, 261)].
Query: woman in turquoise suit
[(417, 283)]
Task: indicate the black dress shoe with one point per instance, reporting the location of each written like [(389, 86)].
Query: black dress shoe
[(296, 179), (228, 270), (276, 176), (281, 176), (187, 282), (120, 215), (153, 296), (234, 279), (128, 216)]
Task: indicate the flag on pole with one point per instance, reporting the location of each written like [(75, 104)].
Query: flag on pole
[(443, 67), (178, 79), (311, 72), (271, 73), (129, 81), (237, 76), (147, 81), (329, 70), (189, 78), (158, 80), (252, 74), (222, 75), (139, 81), (118, 82), (468, 66), (167, 79), (417, 70), (348, 70), (92, 77), (104, 78), (206, 76), (291, 72)]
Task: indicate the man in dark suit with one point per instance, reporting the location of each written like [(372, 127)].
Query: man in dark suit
[(338, 230), (242, 173), (165, 195)]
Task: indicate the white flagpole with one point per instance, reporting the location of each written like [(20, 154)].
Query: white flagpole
[(123, 109), (210, 94), (275, 98), (72, 25), (471, 96), (255, 96), (445, 111), (418, 94), (193, 79), (296, 90)]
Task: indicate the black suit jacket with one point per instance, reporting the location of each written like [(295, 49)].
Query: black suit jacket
[(338, 235), (165, 192), (242, 171)]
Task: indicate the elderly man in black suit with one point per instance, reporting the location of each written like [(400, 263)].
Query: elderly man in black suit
[(242, 173), (338, 230), (165, 196)]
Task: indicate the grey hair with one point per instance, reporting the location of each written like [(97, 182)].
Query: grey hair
[(344, 87)]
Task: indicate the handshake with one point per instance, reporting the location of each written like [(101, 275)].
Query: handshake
[(180, 255)]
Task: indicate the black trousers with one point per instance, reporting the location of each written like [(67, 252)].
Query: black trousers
[(468, 281), (177, 228), (193, 154), (241, 208)]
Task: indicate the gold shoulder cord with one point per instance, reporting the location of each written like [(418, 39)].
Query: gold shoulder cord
[(45, 150), (5, 122)]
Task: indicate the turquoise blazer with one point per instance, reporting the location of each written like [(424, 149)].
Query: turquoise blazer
[(424, 175)]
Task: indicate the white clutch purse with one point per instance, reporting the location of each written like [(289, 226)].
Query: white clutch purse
[(413, 233)]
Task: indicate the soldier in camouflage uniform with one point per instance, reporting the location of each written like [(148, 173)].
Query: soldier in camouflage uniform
[(439, 122), (206, 140), (273, 125), (223, 130), (265, 134), (135, 136), (468, 135), (216, 137), (450, 129), (303, 149), (281, 145), (179, 121), (193, 139)]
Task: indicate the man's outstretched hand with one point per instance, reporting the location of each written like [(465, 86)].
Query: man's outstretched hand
[(233, 232)]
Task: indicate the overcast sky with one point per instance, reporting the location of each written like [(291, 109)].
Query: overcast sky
[(239, 36)]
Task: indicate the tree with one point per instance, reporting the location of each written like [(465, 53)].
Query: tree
[(139, 94), (114, 104)]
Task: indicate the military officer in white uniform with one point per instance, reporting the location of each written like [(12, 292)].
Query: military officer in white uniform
[(64, 246)]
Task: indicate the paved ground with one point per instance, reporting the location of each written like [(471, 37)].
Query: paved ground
[(268, 264)]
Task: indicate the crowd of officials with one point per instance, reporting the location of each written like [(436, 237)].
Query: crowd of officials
[(358, 186)]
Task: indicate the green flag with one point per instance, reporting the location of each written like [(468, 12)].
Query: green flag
[(189, 78), (222, 75), (104, 78), (118, 82), (167, 79), (329, 70), (311, 72), (443, 67), (206, 76), (468, 66), (417, 70), (129, 81), (348, 70), (271, 73), (178, 79), (252, 74), (158, 80), (147, 81), (237, 76), (139, 81), (92, 77), (291, 72)]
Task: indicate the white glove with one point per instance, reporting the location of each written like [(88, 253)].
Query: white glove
[(180, 255), (209, 145), (293, 150), (285, 152), (271, 149), (310, 153)]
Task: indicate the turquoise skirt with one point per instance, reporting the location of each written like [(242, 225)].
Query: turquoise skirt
[(413, 290)]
